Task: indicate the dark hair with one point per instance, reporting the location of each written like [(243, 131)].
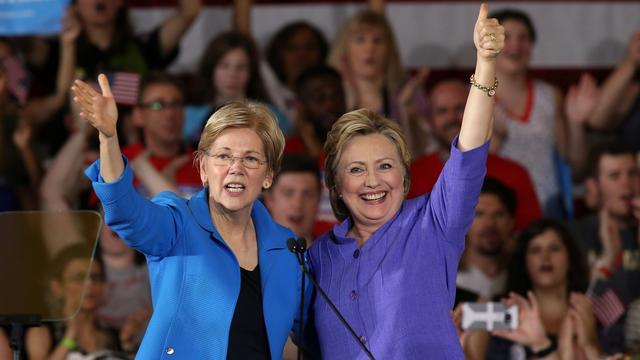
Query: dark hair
[(281, 39), (316, 72), (516, 15), (505, 194), (158, 78), (611, 148), (72, 252), (218, 47), (123, 31), (299, 163), (519, 280)]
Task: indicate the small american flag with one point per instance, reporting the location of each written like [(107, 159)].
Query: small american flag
[(607, 306), (124, 86)]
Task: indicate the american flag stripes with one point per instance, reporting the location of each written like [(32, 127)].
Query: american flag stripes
[(607, 306), (124, 86)]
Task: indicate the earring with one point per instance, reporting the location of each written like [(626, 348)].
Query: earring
[(266, 185)]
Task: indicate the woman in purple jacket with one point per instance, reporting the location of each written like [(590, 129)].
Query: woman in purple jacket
[(390, 266)]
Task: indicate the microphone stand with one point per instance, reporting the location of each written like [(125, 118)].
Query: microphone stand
[(18, 325), (300, 258), (298, 247)]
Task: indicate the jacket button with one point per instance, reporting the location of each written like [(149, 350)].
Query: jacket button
[(169, 350)]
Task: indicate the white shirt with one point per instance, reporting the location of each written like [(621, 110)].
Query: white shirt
[(474, 280)]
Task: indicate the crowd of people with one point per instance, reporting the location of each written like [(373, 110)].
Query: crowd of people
[(500, 187)]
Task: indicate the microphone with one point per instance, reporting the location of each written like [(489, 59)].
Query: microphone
[(299, 247)]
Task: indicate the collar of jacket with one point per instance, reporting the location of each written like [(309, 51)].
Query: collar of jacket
[(262, 220)]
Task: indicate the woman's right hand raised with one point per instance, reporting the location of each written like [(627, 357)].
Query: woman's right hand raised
[(98, 109), (488, 36)]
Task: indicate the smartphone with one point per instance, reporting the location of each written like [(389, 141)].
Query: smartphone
[(489, 316)]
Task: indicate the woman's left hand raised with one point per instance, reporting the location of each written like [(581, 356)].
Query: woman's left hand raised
[(488, 35), (99, 110), (530, 331)]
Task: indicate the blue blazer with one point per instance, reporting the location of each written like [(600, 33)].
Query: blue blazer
[(195, 277)]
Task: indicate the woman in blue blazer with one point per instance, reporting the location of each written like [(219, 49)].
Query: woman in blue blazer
[(223, 283)]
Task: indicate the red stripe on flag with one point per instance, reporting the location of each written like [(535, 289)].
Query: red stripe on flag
[(607, 308), (124, 87)]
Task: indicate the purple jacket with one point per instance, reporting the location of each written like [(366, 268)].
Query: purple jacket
[(397, 290)]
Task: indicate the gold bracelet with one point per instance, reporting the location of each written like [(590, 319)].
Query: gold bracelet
[(489, 90)]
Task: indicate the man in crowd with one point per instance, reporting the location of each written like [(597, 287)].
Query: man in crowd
[(489, 242), (447, 101), (160, 116), (295, 194), (610, 235)]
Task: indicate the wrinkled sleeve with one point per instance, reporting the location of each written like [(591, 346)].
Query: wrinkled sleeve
[(452, 204), (151, 227), (455, 194)]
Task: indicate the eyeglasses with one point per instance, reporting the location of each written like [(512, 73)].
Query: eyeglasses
[(162, 105), (248, 161)]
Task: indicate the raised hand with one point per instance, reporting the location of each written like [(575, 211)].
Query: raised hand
[(456, 315), (71, 26), (190, 7), (488, 35), (22, 134), (170, 170), (633, 50), (577, 338), (411, 87), (609, 239), (581, 99), (584, 320), (98, 109), (530, 331)]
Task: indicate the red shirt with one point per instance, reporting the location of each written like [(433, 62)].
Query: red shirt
[(294, 145), (426, 169), (187, 176)]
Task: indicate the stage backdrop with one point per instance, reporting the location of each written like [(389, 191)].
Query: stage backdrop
[(571, 34)]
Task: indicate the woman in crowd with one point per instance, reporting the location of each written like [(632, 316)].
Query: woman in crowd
[(229, 69), (293, 49), (390, 265), (531, 126), (20, 172), (78, 297), (223, 283), (556, 318), (366, 54), (81, 333)]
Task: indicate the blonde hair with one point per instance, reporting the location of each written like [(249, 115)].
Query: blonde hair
[(358, 123), (367, 19), (245, 115)]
